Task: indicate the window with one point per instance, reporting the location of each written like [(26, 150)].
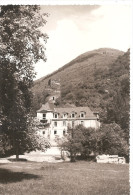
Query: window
[(55, 115), (82, 114), (73, 115), (55, 132), (64, 115), (44, 116), (72, 124), (82, 122), (64, 123), (64, 132), (55, 124), (53, 97), (43, 132)]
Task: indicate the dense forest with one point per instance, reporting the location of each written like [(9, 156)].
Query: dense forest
[(98, 79)]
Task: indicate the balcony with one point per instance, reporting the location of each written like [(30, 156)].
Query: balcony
[(43, 121)]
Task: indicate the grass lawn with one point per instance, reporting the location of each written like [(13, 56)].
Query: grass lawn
[(80, 178)]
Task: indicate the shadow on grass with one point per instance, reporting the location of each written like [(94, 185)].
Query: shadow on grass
[(8, 176), (20, 159)]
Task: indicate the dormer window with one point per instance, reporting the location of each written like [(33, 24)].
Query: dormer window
[(55, 115), (82, 114), (73, 115), (96, 114), (65, 115)]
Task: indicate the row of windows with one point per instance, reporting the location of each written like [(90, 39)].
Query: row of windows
[(55, 123), (55, 115), (65, 124), (55, 132), (82, 115)]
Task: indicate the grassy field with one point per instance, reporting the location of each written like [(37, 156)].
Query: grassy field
[(80, 178)]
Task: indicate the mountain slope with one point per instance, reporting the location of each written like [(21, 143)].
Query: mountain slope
[(78, 78), (87, 61)]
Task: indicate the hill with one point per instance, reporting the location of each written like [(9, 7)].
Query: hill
[(98, 79), (79, 79), (88, 61)]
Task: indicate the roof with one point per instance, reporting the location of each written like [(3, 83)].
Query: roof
[(50, 107), (76, 110), (46, 107)]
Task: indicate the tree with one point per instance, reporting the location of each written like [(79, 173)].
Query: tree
[(118, 108), (20, 48), (33, 140), (72, 142), (109, 139), (78, 141)]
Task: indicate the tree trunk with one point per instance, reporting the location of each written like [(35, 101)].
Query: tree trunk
[(17, 154), (73, 157), (17, 157)]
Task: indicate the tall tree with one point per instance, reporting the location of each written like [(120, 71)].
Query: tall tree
[(109, 139), (20, 48), (71, 142)]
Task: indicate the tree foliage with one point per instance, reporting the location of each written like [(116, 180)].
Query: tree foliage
[(72, 142), (99, 81), (79, 77), (20, 48), (28, 140), (118, 107), (109, 139)]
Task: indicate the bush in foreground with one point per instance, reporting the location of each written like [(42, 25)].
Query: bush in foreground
[(81, 141)]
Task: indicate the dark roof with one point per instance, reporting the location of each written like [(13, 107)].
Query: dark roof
[(76, 110), (68, 110), (46, 107)]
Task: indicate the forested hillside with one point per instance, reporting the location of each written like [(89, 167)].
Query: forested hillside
[(79, 79), (98, 79)]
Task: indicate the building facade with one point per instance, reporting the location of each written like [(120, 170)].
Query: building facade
[(55, 121)]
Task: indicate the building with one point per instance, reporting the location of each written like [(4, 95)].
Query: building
[(55, 121)]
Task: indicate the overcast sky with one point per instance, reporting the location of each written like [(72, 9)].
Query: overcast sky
[(73, 30)]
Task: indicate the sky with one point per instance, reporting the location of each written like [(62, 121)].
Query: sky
[(74, 30)]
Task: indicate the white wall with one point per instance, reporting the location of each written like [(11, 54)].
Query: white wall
[(49, 132), (86, 123), (60, 128), (41, 132), (49, 116), (39, 116), (90, 123)]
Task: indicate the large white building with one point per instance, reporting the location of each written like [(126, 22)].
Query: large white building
[(55, 121)]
